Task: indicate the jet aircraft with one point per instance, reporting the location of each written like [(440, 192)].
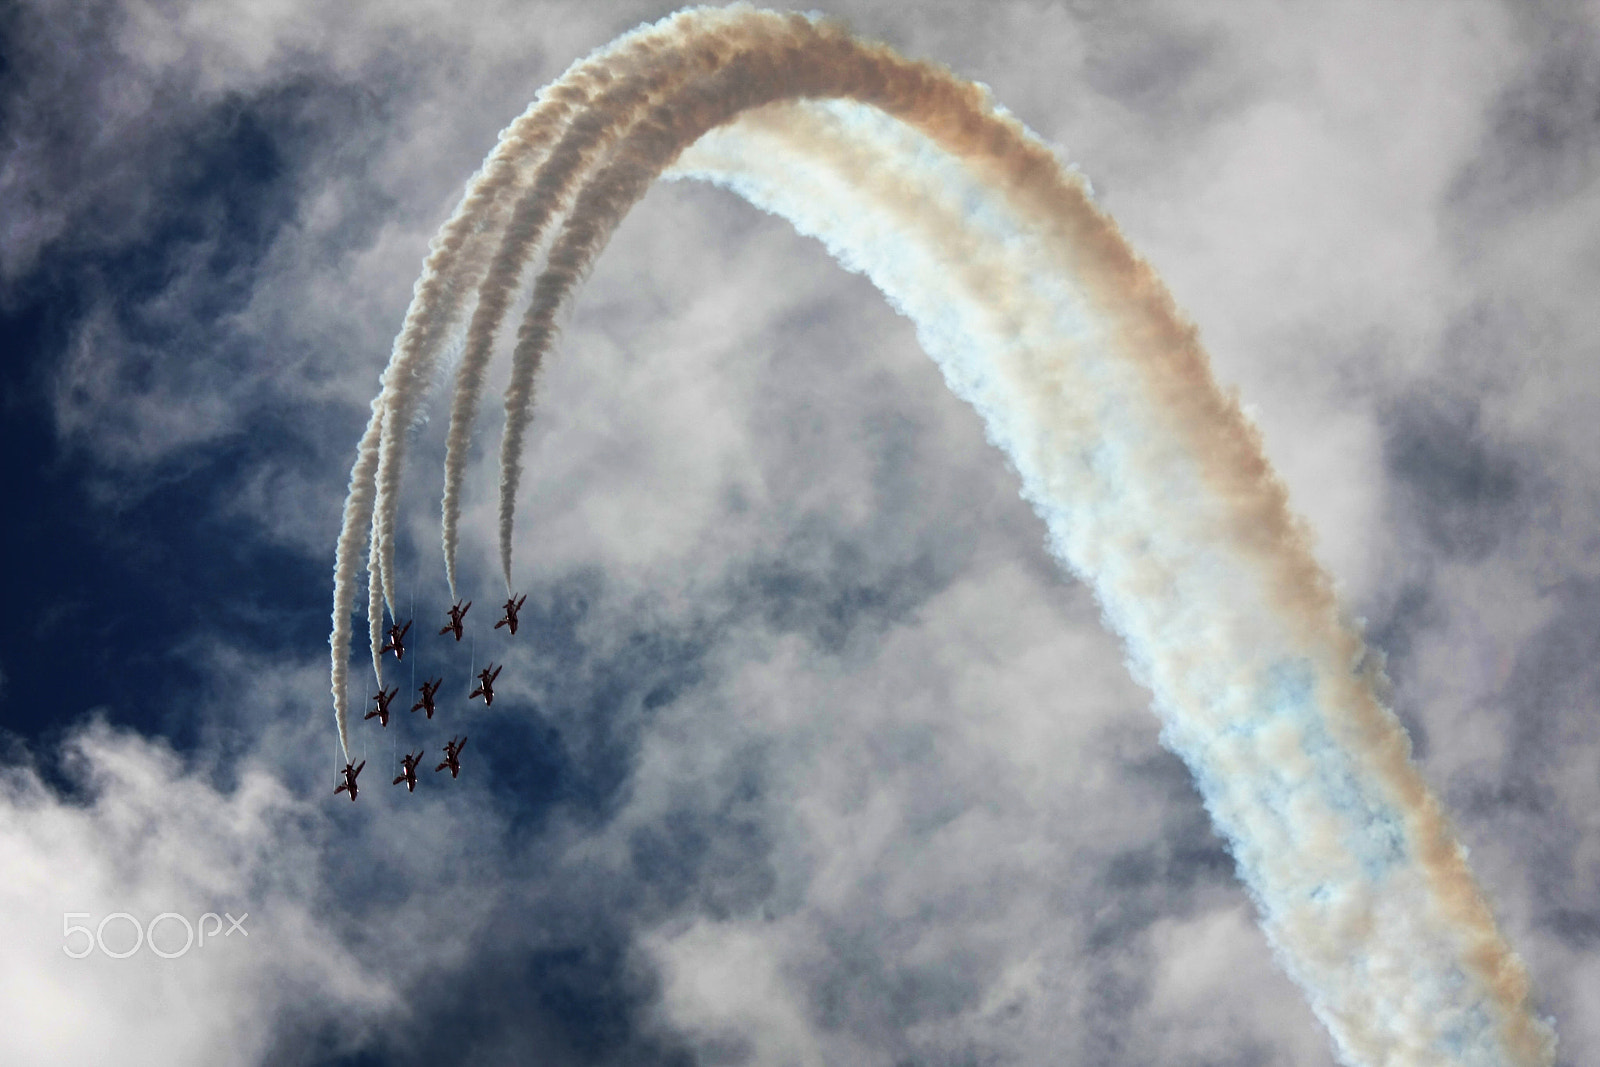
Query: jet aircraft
[(349, 783), (486, 685), (381, 712), (452, 756), (512, 606), (409, 774), (457, 613), (396, 642), (427, 689)]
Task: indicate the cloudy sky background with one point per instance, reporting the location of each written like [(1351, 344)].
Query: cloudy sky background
[(807, 752)]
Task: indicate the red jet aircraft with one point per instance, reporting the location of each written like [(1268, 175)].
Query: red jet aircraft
[(452, 756), (427, 689), (512, 606), (349, 784), (381, 712), (396, 642), (486, 685), (409, 774), (457, 613)]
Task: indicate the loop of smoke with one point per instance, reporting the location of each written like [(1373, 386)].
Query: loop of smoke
[(718, 38), (458, 261), (1151, 483)]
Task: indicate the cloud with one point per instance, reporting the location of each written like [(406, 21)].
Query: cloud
[(145, 837)]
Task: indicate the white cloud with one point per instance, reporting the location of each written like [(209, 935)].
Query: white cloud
[(147, 838)]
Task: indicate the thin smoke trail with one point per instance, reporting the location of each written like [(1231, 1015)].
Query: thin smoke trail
[(697, 44), (345, 558), (595, 86), (457, 259), (375, 612), (458, 263), (1154, 487), (413, 616)]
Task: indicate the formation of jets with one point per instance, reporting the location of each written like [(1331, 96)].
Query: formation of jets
[(429, 690)]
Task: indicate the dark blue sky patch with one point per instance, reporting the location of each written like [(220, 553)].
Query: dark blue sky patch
[(53, 63), (822, 586), (575, 999), (109, 597), (1465, 493), (526, 764), (107, 153), (227, 187), (115, 574), (1411, 612), (222, 188), (870, 986), (1157, 879), (71, 610), (1556, 671), (1543, 136), (715, 857), (608, 705)]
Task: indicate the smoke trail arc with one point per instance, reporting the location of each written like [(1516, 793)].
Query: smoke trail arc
[(357, 510), (457, 262), (811, 59), (646, 80), (1151, 484)]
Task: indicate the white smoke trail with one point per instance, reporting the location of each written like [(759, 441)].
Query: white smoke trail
[(690, 45), (1320, 838), (601, 205), (357, 510), (1152, 486), (375, 611), (457, 260)]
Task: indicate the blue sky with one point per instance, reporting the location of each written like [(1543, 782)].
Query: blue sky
[(807, 751)]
